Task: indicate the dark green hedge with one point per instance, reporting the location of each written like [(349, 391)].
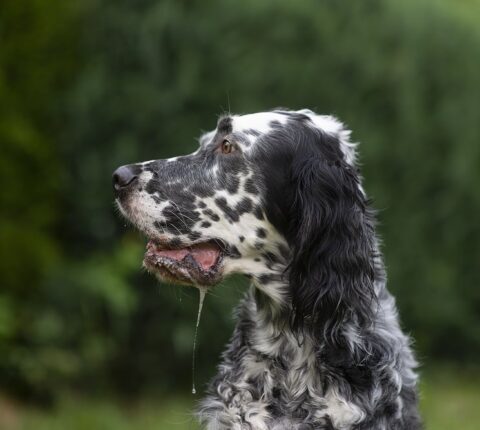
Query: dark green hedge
[(87, 88)]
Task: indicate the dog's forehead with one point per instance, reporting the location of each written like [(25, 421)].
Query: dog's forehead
[(261, 122), (248, 128)]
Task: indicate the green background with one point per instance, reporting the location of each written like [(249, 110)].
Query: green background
[(87, 340)]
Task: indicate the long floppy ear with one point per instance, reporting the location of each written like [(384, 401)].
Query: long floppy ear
[(331, 235)]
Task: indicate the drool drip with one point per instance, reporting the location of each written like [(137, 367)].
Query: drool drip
[(202, 292)]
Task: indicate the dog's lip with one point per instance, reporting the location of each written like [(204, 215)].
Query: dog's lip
[(197, 263)]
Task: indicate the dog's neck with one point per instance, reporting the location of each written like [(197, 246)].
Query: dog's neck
[(268, 305)]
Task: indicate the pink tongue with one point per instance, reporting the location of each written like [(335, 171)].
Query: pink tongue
[(174, 254), (205, 255)]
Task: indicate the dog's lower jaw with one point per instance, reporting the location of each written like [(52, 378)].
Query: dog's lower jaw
[(273, 379)]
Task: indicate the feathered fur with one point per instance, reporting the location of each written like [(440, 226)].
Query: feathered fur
[(317, 343)]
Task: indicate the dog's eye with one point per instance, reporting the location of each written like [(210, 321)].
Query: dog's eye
[(227, 147)]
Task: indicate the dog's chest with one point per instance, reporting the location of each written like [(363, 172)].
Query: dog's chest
[(264, 390)]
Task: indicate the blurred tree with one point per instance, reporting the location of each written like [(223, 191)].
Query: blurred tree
[(36, 66)]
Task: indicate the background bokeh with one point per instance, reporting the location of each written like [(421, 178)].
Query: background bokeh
[(89, 341)]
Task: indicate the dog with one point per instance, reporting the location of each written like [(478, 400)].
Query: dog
[(277, 197)]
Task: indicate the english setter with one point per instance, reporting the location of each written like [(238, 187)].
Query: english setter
[(277, 196)]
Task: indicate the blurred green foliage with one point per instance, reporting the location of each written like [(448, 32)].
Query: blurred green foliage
[(88, 86)]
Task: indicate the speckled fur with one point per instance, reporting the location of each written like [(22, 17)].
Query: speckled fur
[(317, 343)]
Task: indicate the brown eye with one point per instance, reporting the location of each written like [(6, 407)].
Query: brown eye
[(227, 147)]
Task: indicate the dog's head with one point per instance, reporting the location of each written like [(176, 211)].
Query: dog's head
[(270, 195)]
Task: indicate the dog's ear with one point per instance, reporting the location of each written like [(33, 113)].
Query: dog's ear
[(332, 241)]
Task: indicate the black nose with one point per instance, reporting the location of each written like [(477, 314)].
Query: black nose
[(123, 177)]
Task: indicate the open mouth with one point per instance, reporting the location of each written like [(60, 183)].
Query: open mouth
[(198, 264)]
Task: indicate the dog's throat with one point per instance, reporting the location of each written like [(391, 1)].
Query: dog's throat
[(202, 292)]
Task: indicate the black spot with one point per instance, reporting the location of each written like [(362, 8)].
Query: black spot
[(232, 184), (205, 224), (261, 232), (224, 125), (201, 190), (252, 132), (275, 124), (175, 243), (296, 116), (157, 199), (259, 245), (258, 212), (267, 278), (212, 215), (271, 257), (391, 409), (244, 206), (184, 199), (241, 238), (177, 222), (228, 176), (152, 186), (233, 251), (202, 205), (257, 259), (230, 213), (276, 392), (274, 409), (250, 186), (328, 423), (194, 236)]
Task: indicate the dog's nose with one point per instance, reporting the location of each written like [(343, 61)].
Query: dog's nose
[(123, 177)]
